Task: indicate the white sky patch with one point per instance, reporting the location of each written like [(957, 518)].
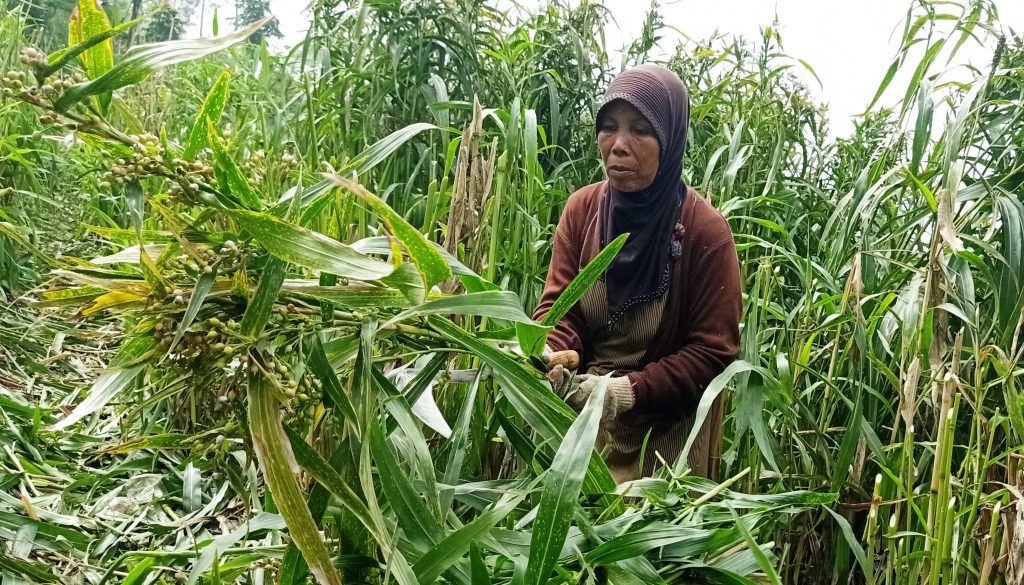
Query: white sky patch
[(848, 44)]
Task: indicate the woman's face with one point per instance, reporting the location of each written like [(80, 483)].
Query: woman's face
[(629, 147)]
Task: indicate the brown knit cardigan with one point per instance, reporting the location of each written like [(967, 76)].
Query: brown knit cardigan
[(699, 333)]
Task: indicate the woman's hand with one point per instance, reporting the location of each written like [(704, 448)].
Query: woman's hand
[(567, 359), (576, 390)]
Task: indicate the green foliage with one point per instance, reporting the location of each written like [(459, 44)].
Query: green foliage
[(226, 318)]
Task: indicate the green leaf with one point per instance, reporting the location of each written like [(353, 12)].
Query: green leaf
[(209, 114), (325, 475), (32, 571), (103, 390), (261, 305), (579, 285), (55, 535), (562, 483), (58, 59), (762, 559), (422, 529), (308, 248), (379, 151), (707, 400), (445, 553), (139, 571), (457, 451), (481, 576), (852, 541), (87, 21), (432, 266), (640, 542), (500, 304), (355, 296), (229, 176), (202, 288), (547, 414), (321, 368), (293, 566), (922, 68), (277, 463), (142, 60), (191, 489)]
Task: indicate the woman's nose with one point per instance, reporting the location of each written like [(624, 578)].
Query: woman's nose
[(620, 146)]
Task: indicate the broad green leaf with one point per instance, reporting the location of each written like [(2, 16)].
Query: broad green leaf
[(919, 72), (139, 572), (452, 548), (103, 390), (762, 559), (353, 296), (634, 544), (209, 114), (501, 304), (430, 263), (325, 475), (707, 400), (45, 531), (562, 483), (277, 462), (531, 339), (547, 414), (229, 176), (202, 288), (37, 573), (852, 541), (308, 248), (142, 60), (259, 523), (58, 59), (579, 285), (408, 280), (88, 21), (383, 148), (261, 305), (293, 566), (333, 389), (532, 398), (422, 529), (457, 451), (381, 245), (481, 576), (191, 489)]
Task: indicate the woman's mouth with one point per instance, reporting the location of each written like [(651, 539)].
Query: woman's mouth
[(619, 170)]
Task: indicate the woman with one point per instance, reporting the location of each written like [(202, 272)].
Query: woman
[(664, 318)]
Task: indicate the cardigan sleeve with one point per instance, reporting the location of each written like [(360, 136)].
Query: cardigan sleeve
[(565, 261), (678, 380)]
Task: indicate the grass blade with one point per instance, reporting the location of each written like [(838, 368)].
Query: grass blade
[(277, 463), (432, 266), (209, 115), (307, 248), (562, 483), (140, 61)]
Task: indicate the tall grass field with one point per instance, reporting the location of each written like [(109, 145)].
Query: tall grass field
[(264, 315)]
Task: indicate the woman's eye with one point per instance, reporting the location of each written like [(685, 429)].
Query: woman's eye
[(644, 131)]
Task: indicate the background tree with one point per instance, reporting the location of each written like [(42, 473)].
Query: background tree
[(249, 11)]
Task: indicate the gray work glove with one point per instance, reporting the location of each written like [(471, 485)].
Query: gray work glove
[(576, 390)]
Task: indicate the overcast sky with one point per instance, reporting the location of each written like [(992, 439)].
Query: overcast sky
[(848, 43)]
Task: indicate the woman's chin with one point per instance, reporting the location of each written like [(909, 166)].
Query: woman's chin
[(628, 185)]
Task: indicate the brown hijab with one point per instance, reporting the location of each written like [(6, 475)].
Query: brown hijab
[(640, 272)]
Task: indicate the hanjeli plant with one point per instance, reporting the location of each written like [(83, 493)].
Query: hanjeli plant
[(277, 325)]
